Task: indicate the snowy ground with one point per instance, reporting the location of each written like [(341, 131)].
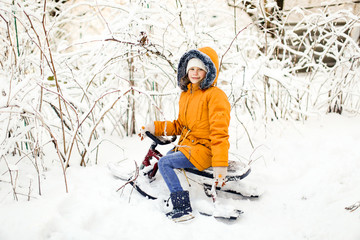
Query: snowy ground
[(309, 172)]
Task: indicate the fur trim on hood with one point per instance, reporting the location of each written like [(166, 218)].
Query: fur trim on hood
[(209, 57)]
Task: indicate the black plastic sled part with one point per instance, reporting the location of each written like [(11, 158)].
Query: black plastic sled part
[(160, 141), (143, 193), (208, 186), (209, 174)]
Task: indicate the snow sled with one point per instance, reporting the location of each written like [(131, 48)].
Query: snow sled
[(144, 178)]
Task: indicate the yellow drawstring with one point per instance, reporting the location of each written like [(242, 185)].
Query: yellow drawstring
[(179, 144), (187, 179)]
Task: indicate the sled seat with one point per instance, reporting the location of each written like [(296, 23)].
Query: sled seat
[(236, 171)]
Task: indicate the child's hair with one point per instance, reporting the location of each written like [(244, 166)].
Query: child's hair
[(184, 82)]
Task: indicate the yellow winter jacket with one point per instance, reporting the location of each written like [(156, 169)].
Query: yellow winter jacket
[(204, 115)]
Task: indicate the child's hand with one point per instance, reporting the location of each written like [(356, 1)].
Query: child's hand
[(150, 127), (219, 176)]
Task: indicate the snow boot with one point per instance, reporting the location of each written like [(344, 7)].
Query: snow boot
[(181, 207)]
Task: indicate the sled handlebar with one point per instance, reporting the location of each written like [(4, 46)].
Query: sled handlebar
[(162, 141)]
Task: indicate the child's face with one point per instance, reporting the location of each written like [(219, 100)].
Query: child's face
[(196, 74)]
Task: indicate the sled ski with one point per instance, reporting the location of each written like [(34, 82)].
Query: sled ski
[(233, 216), (204, 181), (206, 187)]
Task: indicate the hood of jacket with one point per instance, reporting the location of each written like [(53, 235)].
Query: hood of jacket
[(211, 60)]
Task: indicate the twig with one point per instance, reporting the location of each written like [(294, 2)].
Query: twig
[(29, 190), (13, 184), (101, 118), (107, 24), (353, 207), (133, 179), (54, 140), (147, 48), (253, 160), (246, 131), (232, 44), (52, 66)]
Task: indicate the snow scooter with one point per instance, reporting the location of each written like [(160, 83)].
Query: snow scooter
[(143, 180)]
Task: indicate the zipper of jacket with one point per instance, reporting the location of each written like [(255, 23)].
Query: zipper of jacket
[(185, 116), (187, 105)]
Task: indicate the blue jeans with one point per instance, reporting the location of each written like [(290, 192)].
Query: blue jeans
[(168, 163)]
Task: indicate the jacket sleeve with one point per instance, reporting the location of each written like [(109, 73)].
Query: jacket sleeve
[(219, 119), (167, 128)]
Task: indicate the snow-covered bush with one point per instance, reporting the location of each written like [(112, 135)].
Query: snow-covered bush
[(301, 69)]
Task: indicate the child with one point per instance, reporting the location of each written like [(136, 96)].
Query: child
[(203, 122)]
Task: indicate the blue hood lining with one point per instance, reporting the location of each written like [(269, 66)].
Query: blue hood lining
[(211, 69)]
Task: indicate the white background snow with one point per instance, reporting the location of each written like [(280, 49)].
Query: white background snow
[(309, 173)]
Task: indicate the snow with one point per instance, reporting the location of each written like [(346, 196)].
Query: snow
[(309, 173)]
